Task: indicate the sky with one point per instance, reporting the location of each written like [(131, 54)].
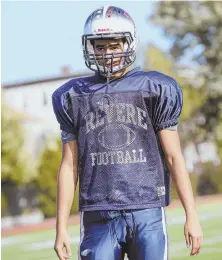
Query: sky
[(40, 37)]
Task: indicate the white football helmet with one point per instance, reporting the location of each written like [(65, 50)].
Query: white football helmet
[(109, 22)]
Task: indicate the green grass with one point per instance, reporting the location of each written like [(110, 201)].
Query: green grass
[(22, 249)]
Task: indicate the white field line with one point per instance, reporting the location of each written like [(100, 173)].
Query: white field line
[(175, 247), (8, 241), (203, 251), (47, 244), (204, 216)]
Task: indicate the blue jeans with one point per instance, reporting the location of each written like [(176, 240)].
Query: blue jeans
[(109, 235)]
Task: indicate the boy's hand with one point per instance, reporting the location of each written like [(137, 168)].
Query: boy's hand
[(62, 241), (193, 234)]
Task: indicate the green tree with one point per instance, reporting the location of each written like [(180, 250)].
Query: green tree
[(4, 205), (211, 179), (195, 29), (155, 59), (219, 137), (46, 179), (194, 26), (12, 152), (14, 160)]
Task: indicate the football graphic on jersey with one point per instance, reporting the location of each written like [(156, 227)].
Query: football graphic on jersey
[(116, 136)]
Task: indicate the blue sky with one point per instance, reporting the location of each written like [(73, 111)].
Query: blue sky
[(38, 38)]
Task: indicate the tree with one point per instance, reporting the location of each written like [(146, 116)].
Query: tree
[(14, 160), (46, 179), (211, 179), (155, 59), (4, 205), (194, 26), (219, 136), (195, 29), (12, 153)]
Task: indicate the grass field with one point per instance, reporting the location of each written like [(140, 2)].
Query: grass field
[(39, 245)]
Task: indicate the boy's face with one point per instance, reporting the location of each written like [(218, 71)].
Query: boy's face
[(108, 47)]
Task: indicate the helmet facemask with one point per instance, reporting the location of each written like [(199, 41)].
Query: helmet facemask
[(97, 62)]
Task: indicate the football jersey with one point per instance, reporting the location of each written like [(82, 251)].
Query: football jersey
[(121, 164)]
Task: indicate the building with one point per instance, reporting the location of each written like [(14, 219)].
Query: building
[(32, 99)]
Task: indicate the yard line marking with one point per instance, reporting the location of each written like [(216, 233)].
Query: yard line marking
[(204, 251), (182, 219), (8, 241), (47, 244), (181, 245)]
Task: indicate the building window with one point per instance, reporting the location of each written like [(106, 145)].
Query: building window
[(45, 99), (25, 104)]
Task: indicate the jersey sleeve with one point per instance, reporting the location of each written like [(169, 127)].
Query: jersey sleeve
[(63, 112), (168, 107), (67, 136), (172, 128)]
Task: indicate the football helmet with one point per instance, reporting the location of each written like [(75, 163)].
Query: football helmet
[(109, 22)]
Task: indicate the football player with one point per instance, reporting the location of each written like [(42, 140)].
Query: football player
[(120, 139)]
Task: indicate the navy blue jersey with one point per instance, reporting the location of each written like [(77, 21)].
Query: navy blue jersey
[(121, 164)]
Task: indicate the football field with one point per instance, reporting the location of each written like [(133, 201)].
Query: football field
[(39, 245)]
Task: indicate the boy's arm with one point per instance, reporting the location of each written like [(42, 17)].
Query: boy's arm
[(66, 185), (171, 146)]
